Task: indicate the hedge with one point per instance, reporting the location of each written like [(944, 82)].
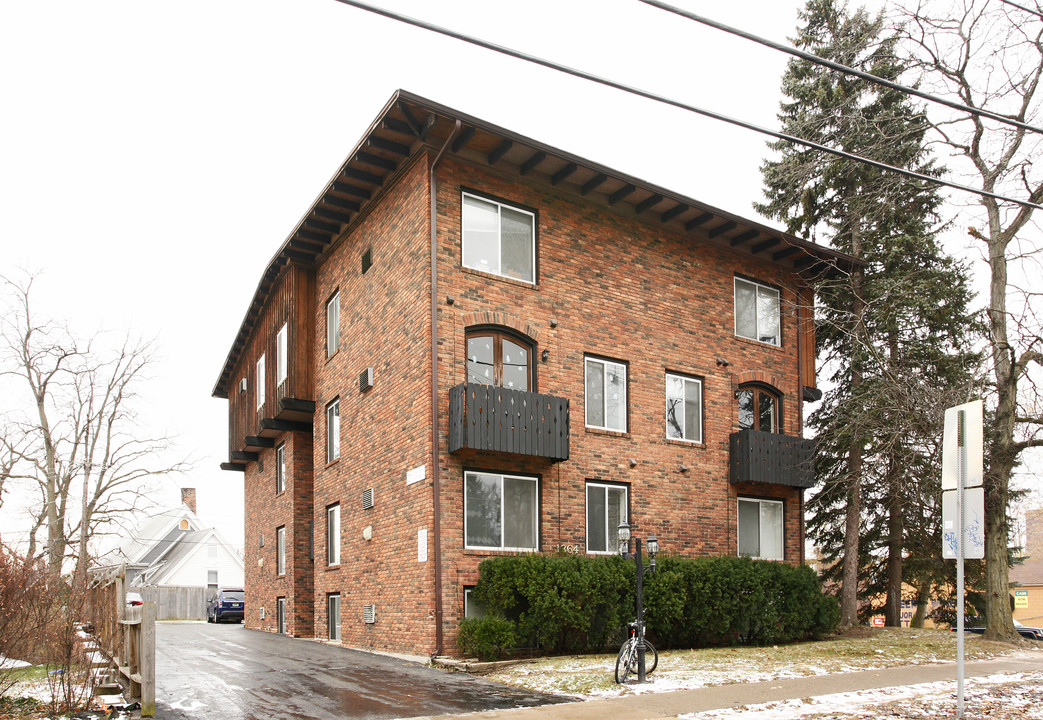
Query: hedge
[(572, 604)]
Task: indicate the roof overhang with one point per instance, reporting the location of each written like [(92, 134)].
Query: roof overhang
[(410, 124)]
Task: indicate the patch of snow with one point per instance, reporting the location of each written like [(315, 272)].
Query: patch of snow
[(10, 663)]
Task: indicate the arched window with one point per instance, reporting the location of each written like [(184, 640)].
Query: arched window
[(497, 357), (759, 408)]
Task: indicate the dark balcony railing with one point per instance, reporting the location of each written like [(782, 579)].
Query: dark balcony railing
[(772, 458), (487, 417)]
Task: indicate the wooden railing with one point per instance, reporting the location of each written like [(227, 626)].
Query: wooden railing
[(766, 457), (498, 419)]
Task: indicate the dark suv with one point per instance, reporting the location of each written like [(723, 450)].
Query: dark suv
[(227, 604)]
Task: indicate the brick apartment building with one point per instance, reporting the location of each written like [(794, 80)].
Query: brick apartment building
[(474, 344)]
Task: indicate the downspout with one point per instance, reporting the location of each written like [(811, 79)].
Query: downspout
[(800, 416), (436, 451)]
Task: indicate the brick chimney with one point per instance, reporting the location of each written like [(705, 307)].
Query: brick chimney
[(188, 497)]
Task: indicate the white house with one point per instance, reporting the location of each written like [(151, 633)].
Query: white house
[(174, 548)]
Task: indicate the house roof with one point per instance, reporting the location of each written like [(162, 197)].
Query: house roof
[(155, 535), (410, 124)]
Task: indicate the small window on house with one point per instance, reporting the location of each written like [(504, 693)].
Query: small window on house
[(280, 468), (499, 239), (280, 354), (333, 325), (183, 525), (501, 511), (498, 358), (684, 408), (280, 550), (606, 394), (367, 260), (606, 509), (758, 408), (760, 528), (333, 616), (757, 312), (260, 381), (333, 535), (333, 431), (211, 579), (472, 608)]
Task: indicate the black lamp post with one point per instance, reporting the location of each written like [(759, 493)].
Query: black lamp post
[(624, 551)]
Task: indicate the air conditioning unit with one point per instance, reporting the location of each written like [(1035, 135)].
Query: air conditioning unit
[(365, 379)]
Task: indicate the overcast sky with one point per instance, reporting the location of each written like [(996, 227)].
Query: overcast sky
[(154, 155)]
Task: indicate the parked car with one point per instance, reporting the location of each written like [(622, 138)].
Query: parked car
[(227, 604), (977, 625)]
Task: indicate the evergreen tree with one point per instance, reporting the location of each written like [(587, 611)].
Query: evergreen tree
[(894, 333)]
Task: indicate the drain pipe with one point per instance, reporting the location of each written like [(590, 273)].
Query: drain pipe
[(435, 445)]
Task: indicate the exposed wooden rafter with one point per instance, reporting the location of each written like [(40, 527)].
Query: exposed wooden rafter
[(673, 212), (595, 182), (722, 229), (499, 151), (256, 441), (697, 221), (621, 193), (463, 138), (537, 157), (563, 173), (376, 161), (390, 146), (648, 202), (766, 245), (353, 190), (743, 237)]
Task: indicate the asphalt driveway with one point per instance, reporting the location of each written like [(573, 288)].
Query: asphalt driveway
[(229, 673)]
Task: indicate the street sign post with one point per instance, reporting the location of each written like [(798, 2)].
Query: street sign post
[(963, 452)]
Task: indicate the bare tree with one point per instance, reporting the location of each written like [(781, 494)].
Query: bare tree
[(79, 443), (989, 56)]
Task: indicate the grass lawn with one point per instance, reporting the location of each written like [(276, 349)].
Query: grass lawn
[(861, 649)]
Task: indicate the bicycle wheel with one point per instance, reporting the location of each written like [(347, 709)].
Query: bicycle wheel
[(651, 658), (625, 662)]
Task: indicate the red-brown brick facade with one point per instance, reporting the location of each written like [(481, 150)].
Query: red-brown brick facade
[(609, 284)]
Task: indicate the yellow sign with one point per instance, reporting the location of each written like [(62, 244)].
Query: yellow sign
[(1021, 599)]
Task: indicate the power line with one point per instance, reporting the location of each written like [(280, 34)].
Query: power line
[(676, 103), (1037, 13), (845, 68)]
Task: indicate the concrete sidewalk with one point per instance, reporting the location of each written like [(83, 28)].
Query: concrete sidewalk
[(655, 706)]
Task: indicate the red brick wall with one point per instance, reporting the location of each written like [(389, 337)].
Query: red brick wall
[(639, 294)]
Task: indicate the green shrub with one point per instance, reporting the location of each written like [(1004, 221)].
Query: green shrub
[(568, 604), (486, 638)]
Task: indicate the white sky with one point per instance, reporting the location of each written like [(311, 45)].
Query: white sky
[(154, 155)]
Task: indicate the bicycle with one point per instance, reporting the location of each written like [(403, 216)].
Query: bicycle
[(626, 661)]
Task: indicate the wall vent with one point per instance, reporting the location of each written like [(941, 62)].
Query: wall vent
[(365, 379), (242, 386), (367, 498), (369, 614), (262, 613)]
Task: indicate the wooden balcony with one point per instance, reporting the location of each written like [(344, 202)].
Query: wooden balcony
[(498, 419), (772, 458)]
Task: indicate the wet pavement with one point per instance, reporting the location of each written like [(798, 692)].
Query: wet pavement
[(226, 672)]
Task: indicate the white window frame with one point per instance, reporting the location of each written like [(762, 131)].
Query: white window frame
[(333, 324), (280, 468), (333, 430), (259, 387), (280, 354), (611, 533), (758, 289), (280, 615), (760, 502), (499, 212), (605, 365), (472, 608), (683, 415), (333, 534), (280, 550), (503, 511), (214, 584), (333, 615)]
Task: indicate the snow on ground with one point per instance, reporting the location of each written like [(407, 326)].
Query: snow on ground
[(11, 663), (998, 697)]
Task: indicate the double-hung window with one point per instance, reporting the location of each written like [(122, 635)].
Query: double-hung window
[(498, 238), (501, 511), (280, 468), (757, 312), (333, 325), (280, 550), (606, 394), (280, 354), (333, 535), (684, 408), (606, 509), (760, 528), (333, 431), (260, 382)]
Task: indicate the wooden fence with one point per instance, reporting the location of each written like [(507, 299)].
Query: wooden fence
[(176, 602)]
